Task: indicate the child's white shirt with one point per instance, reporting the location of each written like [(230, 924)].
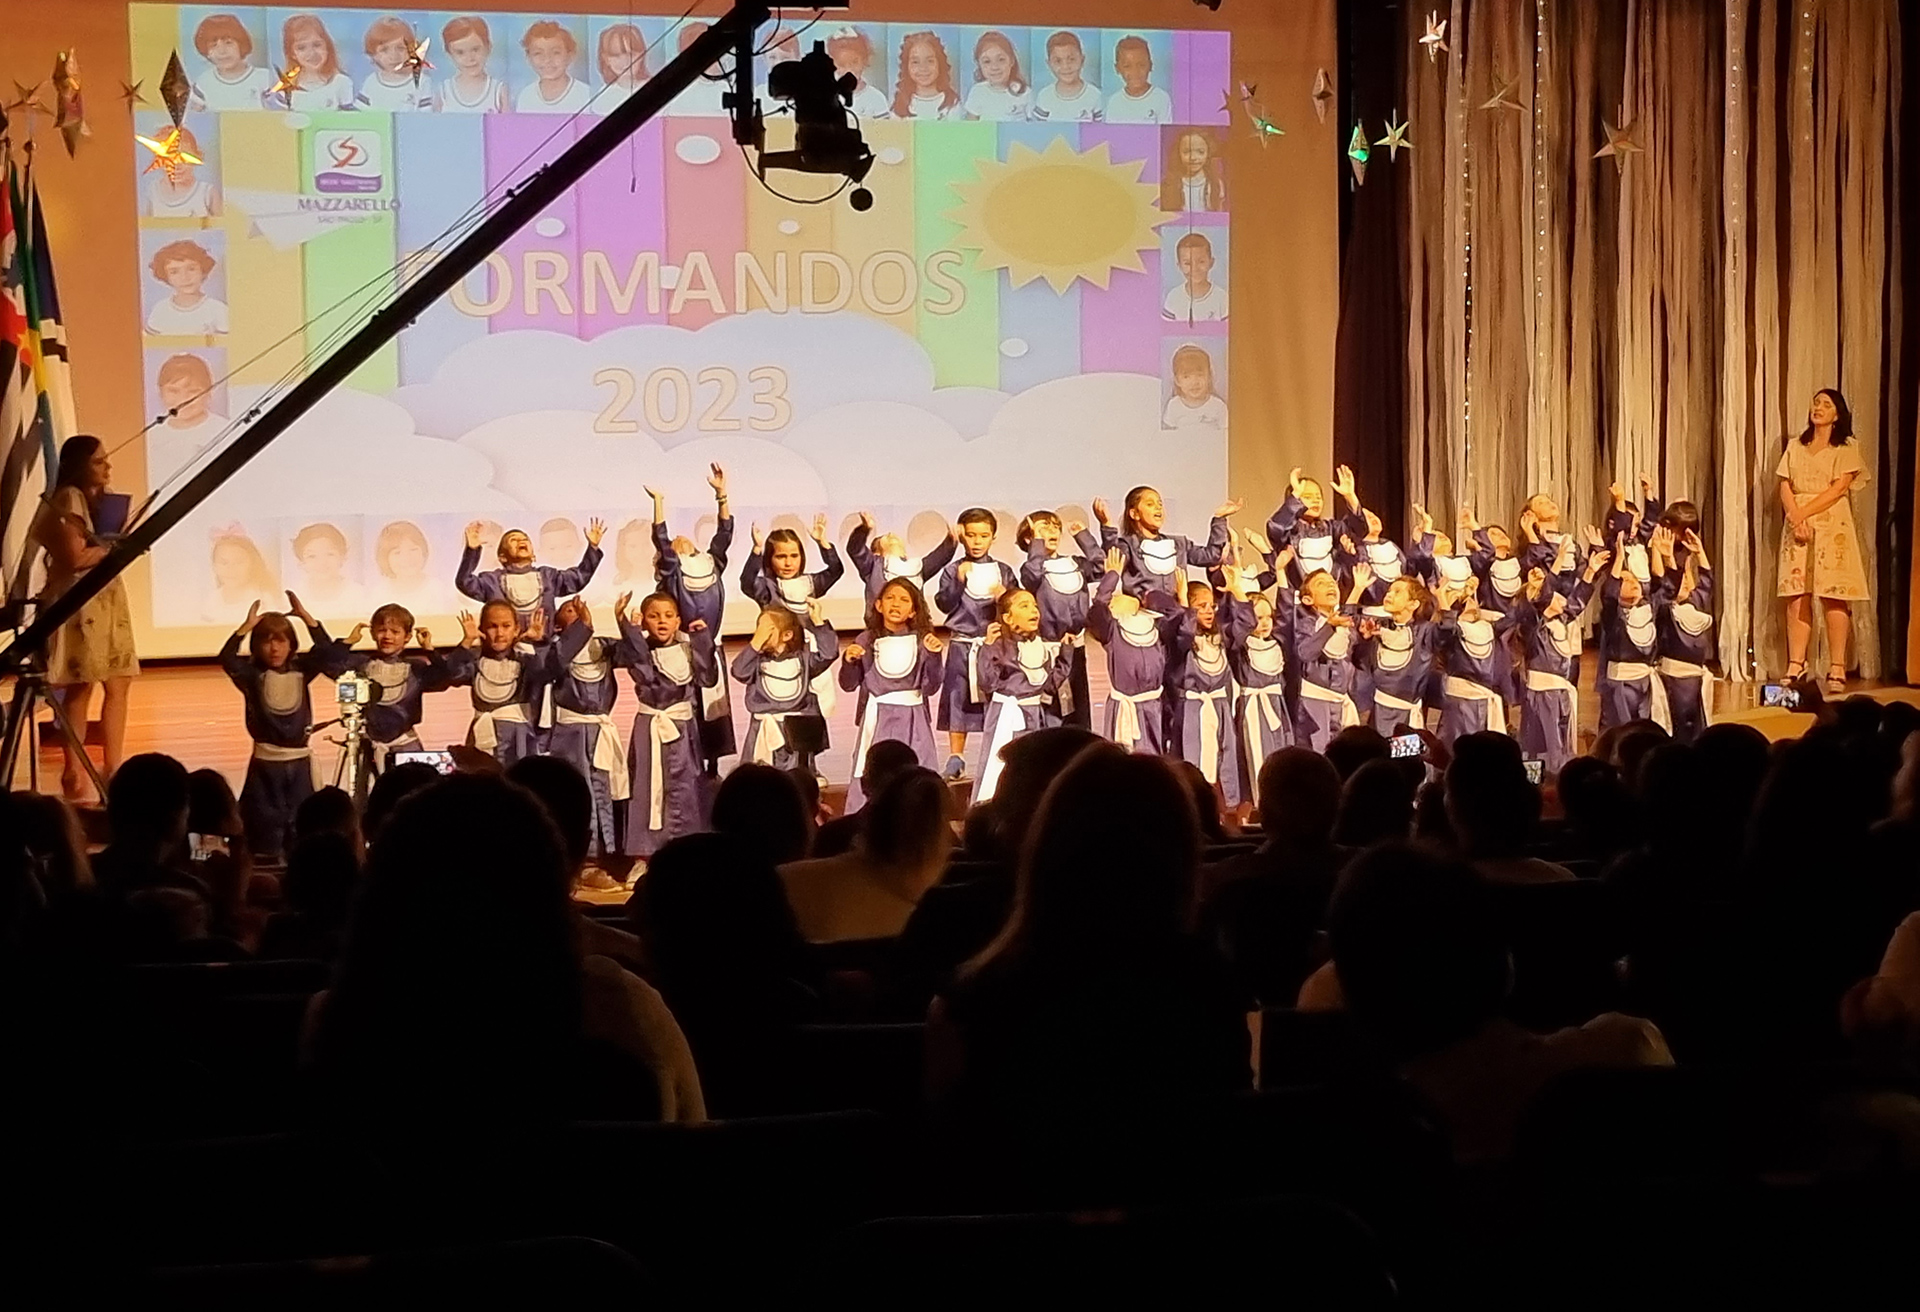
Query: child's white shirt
[(170, 448), (986, 101), (1182, 306), (215, 93), (1210, 413), (574, 99), (378, 93), (1083, 108), (871, 102), (933, 106), (492, 99), (1193, 192), (162, 204), (338, 93), (1154, 107), (168, 319)]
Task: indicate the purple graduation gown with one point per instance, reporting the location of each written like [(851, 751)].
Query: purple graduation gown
[(895, 677), (1205, 731), (1550, 692), (1137, 650), (1024, 679), (698, 586), (969, 609), (670, 791), (580, 673)]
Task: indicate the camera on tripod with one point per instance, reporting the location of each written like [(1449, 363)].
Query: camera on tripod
[(826, 136)]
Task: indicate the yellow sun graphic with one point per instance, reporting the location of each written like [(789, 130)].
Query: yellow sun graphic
[(1058, 214)]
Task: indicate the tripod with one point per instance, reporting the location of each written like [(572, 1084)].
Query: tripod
[(29, 692)]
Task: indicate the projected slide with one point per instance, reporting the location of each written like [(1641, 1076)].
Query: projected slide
[(1034, 312)]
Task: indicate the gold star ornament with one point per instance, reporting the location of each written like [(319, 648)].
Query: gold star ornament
[(1620, 144), (1503, 94), (168, 154), (1396, 139), (1436, 38)]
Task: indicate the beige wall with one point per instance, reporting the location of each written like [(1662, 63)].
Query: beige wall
[(1285, 288)]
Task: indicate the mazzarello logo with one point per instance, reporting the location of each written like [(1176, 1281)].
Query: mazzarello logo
[(346, 162)]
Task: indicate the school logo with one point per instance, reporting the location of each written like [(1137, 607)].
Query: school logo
[(346, 161)]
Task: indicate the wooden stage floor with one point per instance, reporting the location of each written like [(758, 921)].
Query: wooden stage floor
[(192, 712)]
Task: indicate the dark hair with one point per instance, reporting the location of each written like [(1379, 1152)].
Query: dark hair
[(764, 808), (1206, 802), (269, 624), (147, 798), (922, 622), (809, 785), (781, 535), (885, 759), (211, 805), (1417, 947), (979, 515), (1680, 516), (327, 810), (567, 797), (907, 820), (1354, 746), (1023, 533), (76, 454), (652, 597), (395, 785), (1298, 793), (1842, 423), (322, 871), (393, 610), (1376, 806), (1492, 806), (1030, 764)]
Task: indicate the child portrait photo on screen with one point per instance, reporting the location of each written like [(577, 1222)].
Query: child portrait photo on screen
[(473, 85), (232, 78), (1143, 76), (241, 575), (621, 63), (391, 85), (323, 83), (180, 300), (1194, 380), (1000, 89), (1193, 173), (852, 49), (924, 83), (184, 390), (1071, 93), (552, 50), (192, 190), (1193, 268)]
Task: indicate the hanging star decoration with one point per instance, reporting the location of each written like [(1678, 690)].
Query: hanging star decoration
[(133, 93), (1503, 97), (1436, 38), (1322, 93), (28, 98), (1264, 128), (168, 154), (175, 88), (1396, 139), (288, 83), (1620, 144), (70, 115), (1358, 155), (417, 61)]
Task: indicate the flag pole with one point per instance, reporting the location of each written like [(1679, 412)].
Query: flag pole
[(731, 33)]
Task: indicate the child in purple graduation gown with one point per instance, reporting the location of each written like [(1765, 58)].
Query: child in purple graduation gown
[(404, 678), (776, 572), (1545, 615), (580, 672), (1630, 629), (669, 795), (777, 669), (1476, 666), (969, 587), (1396, 652), (1201, 714), (1153, 560), (1432, 558), (878, 561), (696, 580), (272, 678), (1683, 613), (1062, 586), (1383, 556), (1323, 645), (1255, 623), (1493, 561), (1024, 674), (1137, 633), (1302, 523), (501, 663), (895, 665), (521, 584)]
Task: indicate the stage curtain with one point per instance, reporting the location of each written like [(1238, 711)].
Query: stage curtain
[(1573, 323)]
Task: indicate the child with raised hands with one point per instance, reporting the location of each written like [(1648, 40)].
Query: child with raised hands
[(524, 586), (895, 664), (669, 793), (1062, 587), (1307, 524), (1545, 615), (878, 561), (1683, 612), (696, 580), (500, 661), (776, 572), (1155, 561), (1396, 651), (580, 672), (1635, 524), (1631, 688), (1493, 560), (1540, 535), (402, 679), (1476, 665), (1025, 674), (1200, 681), (1432, 557), (970, 588), (777, 668), (1250, 562), (1256, 627), (1324, 643), (272, 678), (1386, 559), (1138, 635)]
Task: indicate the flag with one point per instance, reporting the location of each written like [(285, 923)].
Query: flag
[(35, 396)]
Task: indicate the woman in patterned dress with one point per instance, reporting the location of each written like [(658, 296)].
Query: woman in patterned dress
[(1819, 550)]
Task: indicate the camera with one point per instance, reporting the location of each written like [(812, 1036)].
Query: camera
[(353, 691), (826, 136)]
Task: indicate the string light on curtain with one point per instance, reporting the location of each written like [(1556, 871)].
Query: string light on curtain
[(1466, 253)]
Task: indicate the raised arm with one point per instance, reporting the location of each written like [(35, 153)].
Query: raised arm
[(853, 659), (831, 568), (569, 581), (722, 540), (467, 579), (859, 553), (1100, 614), (753, 571), (238, 668), (1214, 550), (936, 560)]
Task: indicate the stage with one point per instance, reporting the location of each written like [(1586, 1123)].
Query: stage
[(190, 710)]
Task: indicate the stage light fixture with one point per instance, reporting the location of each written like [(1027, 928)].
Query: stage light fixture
[(826, 133)]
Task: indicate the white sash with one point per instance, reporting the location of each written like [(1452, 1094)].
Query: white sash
[(1126, 714), (1257, 709), (770, 738), (484, 736), (406, 742), (1633, 672), (870, 721), (1547, 681), (1012, 719), (280, 755), (1414, 713), (663, 727), (607, 753), (1469, 691), (973, 646), (1672, 667), (1209, 730), (1349, 713)]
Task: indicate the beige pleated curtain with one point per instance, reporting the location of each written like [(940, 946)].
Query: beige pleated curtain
[(1573, 323)]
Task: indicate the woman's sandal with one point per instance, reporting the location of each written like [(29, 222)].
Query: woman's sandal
[(1836, 678), (1796, 670)]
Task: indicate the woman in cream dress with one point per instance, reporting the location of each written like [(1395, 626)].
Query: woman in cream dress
[(1819, 550)]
